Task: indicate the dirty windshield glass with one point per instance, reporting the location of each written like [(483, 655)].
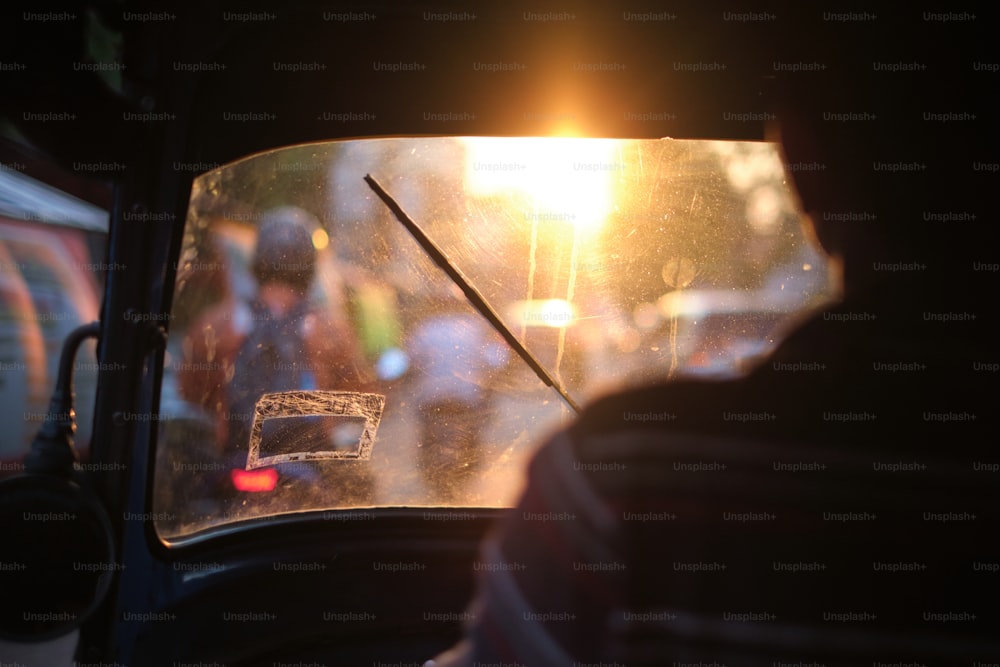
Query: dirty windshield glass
[(319, 359)]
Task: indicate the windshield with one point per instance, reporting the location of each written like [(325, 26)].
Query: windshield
[(320, 359)]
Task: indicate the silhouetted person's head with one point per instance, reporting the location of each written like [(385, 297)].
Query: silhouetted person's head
[(285, 253), (873, 161)]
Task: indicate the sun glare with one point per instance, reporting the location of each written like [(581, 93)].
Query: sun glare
[(565, 179), (554, 313)]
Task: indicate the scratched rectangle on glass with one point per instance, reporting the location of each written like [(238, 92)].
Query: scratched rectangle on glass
[(310, 408)]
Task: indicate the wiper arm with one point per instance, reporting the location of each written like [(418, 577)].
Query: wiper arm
[(471, 293)]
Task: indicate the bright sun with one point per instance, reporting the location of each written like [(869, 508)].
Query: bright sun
[(566, 179)]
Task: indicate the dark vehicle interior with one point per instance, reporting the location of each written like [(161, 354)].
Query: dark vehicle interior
[(135, 107)]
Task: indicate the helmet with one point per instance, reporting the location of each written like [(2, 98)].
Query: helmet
[(285, 252)]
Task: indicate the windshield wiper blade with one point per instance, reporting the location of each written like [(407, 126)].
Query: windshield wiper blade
[(471, 293)]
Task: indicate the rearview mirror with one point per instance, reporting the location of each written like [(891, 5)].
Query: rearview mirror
[(56, 556), (57, 551)]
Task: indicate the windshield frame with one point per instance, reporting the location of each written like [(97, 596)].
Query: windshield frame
[(308, 514)]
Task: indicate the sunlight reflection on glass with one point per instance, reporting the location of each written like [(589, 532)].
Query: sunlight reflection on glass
[(567, 179)]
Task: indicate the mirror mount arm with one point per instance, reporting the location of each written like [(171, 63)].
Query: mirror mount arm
[(52, 451)]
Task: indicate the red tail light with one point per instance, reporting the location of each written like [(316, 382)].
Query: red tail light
[(254, 480)]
